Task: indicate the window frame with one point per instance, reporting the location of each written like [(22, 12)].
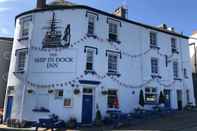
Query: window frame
[(113, 30), (154, 68), (115, 97), (153, 40), (152, 92), (92, 59), (93, 22), (57, 93), (71, 102), (18, 54), (113, 71), (25, 26), (174, 46), (175, 70)]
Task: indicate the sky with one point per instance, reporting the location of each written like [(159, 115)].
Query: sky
[(180, 14)]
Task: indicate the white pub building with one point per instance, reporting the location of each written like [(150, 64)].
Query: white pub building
[(72, 60)]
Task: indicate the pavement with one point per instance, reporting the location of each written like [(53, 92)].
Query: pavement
[(181, 121)]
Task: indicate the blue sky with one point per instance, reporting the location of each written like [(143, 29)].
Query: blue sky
[(180, 14)]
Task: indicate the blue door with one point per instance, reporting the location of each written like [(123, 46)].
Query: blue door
[(9, 108), (87, 109)]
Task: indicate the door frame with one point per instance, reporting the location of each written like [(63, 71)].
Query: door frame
[(6, 112), (169, 92), (179, 95), (93, 100)]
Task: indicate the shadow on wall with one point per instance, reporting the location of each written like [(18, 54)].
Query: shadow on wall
[(195, 85)]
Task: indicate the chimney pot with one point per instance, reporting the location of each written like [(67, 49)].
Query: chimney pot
[(41, 4)]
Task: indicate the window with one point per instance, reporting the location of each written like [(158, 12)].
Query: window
[(154, 66), (112, 99), (175, 69), (153, 39), (25, 22), (185, 73), (59, 93), (21, 59), (150, 95), (173, 45), (89, 59), (67, 102), (187, 96), (91, 25), (10, 90), (113, 31), (112, 63)]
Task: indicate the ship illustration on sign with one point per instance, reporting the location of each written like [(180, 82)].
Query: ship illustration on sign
[(53, 37)]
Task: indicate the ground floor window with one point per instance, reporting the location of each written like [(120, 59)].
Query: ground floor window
[(150, 95), (67, 102), (112, 99)]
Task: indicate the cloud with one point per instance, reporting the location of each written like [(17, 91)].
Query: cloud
[(2, 9)]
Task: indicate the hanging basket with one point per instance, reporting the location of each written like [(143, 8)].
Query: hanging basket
[(76, 91), (50, 91), (30, 91), (104, 92)]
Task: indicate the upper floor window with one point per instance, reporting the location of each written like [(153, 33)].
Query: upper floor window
[(174, 45), (25, 26), (112, 99), (185, 73), (150, 95), (89, 59), (175, 69), (91, 24), (154, 66), (112, 63), (59, 93), (21, 59), (113, 31), (153, 40)]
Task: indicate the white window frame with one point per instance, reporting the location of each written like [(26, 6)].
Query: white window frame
[(25, 26), (113, 71), (91, 24), (174, 45), (175, 69), (113, 96), (92, 59), (57, 95), (153, 70), (151, 92), (153, 39), (20, 62), (113, 30), (71, 102)]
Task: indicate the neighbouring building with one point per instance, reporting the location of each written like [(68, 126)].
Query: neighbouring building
[(72, 60), (5, 53), (193, 56)]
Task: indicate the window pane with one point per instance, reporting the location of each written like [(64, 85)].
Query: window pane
[(112, 63)]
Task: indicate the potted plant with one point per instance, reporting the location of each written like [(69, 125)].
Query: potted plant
[(162, 99), (76, 91), (98, 119), (141, 98), (30, 91), (104, 92), (72, 123)]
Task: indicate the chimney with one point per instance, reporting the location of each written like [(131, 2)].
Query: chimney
[(163, 26), (121, 12), (171, 29), (41, 4)]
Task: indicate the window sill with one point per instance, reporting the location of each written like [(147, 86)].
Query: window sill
[(150, 103), (154, 47), (23, 38), (116, 41), (113, 74), (90, 72), (19, 72), (156, 76), (177, 79), (92, 35)]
